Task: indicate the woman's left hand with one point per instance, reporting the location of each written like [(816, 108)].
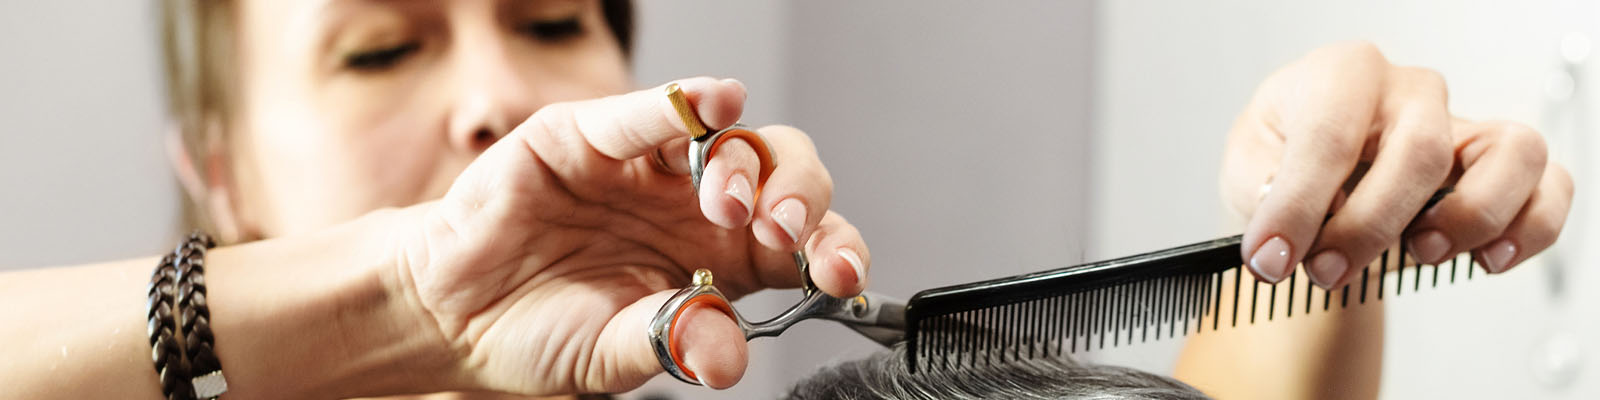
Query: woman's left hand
[(1344, 133)]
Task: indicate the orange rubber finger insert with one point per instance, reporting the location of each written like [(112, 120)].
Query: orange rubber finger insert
[(713, 301), (763, 152)]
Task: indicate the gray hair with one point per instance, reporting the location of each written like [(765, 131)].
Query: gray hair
[(883, 375)]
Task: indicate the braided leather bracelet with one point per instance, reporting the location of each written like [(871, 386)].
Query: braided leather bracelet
[(198, 342), (164, 347), (190, 369)]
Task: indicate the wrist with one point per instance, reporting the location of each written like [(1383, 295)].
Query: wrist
[(340, 320)]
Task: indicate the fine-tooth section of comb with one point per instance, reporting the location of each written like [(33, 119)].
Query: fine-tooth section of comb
[(1164, 294)]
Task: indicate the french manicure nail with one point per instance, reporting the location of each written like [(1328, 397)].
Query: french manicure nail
[(1271, 260), (739, 190), (1327, 267), (790, 215), (850, 257), (1497, 256), (1429, 247)]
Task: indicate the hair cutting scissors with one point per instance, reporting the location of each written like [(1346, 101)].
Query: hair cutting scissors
[(875, 316)]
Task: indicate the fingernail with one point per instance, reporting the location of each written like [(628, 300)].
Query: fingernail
[(790, 215), (739, 190), (1497, 256), (1271, 260), (850, 257), (741, 86), (1327, 267), (1429, 247)]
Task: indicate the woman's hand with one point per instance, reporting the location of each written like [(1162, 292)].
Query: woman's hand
[(1343, 132), (550, 254)]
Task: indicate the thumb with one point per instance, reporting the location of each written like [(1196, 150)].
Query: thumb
[(714, 348)]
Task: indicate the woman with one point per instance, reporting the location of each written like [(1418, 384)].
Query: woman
[(445, 201)]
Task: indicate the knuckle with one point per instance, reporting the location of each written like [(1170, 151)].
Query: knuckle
[(1371, 230), (1360, 50), (1430, 151), (1560, 178), (1523, 140), (788, 132), (1427, 78), (1478, 219)]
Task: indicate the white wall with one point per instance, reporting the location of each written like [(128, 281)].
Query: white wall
[(82, 176)]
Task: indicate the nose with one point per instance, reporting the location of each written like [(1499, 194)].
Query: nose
[(490, 99)]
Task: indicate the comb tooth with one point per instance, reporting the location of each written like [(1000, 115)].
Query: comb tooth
[(1202, 287), (941, 341), (1216, 303), (1072, 330), (1344, 297), (1183, 301), (1255, 299), (1102, 320), (1174, 306), (1327, 299), (1364, 271), (1471, 266), (1308, 295), (1055, 324), (1130, 314), (1238, 279), (1008, 316), (970, 339), (1453, 269), (1146, 295), (1039, 328), (1120, 298), (1162, 298), (1400, 271), (1131, 317), (1383, 272), (1020, 315), (1436, 276), (1152, 291), (1272, 301), (1289, 310)]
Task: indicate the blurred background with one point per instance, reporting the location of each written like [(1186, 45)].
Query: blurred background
[(968, 140)]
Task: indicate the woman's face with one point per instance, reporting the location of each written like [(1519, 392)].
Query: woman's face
[(347, 106)]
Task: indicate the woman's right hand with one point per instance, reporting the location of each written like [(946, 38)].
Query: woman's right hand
[(550, 254)]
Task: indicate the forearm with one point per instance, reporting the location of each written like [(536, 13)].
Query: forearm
[(1335, 354), (316, 316)]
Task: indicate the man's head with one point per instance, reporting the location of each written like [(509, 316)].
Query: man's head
[(883, 375)]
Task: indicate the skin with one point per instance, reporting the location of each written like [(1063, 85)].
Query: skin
[(483, 213), (1344, 135)]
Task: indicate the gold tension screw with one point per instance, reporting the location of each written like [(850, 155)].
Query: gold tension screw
[(685, 112), (702, 277)]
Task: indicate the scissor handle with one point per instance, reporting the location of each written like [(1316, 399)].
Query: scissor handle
[(701, 150), (664, 326), (702, 147)]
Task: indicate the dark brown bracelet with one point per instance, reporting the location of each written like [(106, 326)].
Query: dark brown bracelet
[(181, 343), (198, 342), (164, 347)]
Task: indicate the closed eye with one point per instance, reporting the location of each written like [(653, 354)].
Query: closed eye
[(380, 59), (553, 31)]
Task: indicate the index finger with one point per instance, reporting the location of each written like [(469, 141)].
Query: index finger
[(631, 125), (1323, 116)]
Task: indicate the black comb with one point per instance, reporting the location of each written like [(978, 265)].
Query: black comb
[(1163, 294)]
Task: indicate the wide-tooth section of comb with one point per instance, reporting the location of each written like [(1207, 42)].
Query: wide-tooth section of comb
[(1180, 291)]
